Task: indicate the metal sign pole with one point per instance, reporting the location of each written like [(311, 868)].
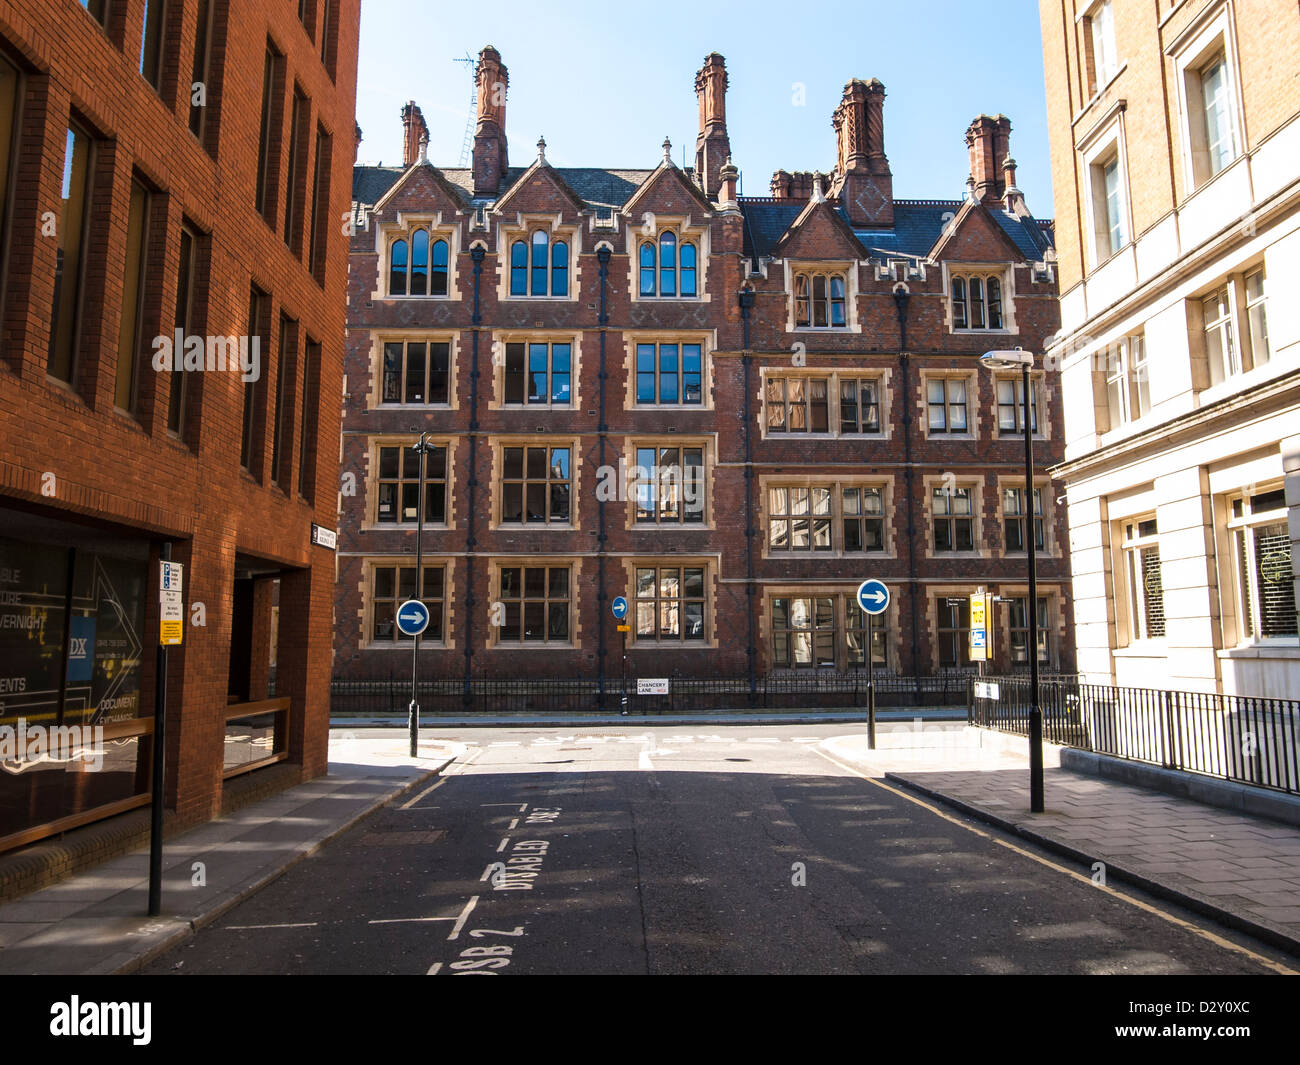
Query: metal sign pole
[(159, 744), (413, 711), (871, 688)]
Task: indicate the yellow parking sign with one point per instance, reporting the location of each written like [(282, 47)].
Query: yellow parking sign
[(981, 642)]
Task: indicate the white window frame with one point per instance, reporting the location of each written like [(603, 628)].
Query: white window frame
[(1128, 380), (1240, 528), (1132, 542), (1099, 40), (1105, 143), (1192, 51)]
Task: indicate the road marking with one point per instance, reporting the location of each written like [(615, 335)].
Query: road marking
[(1204, 933), (514, 824), (455, 768), (805, 739), (643, 762), (504, 743), (251, 927), (409, 920), (502, 846), (523, 806), (464, 916), (433, 969)]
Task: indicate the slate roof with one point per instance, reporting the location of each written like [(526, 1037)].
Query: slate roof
[(917, 223), (598, 187), (917, 226)]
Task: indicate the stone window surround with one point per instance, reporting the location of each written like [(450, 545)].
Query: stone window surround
[(1050, 548), (387, 232), (698, 233), (824, 590), (971, 377), (497, 563), (497, 356), (1106, 138), (1211, 31), (631, 563), (709, 442), (521, 228), (365, 612), (379, 337), (707, 339), (975, 482), (497, 443), (1005, 272), (835, 483), (371, 522), (883, 375), (848, 269)]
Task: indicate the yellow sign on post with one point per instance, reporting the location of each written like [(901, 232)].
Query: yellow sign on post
[(170, 633), (981, 642)]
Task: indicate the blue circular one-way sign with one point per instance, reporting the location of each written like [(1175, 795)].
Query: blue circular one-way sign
[(873, 596), (412, 618), (619, 607)]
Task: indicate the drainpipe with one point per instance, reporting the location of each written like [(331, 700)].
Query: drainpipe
[(477, 254), (751, 650), (901, 297), (602, 320)]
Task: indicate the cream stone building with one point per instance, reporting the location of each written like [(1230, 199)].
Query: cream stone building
[(1175, 131)]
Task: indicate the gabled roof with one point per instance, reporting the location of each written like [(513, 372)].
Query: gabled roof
[(540, 170), (849, 245), (595, 186), (670, 171), (918, 225)]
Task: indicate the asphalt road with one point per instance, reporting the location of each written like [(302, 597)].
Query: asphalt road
[(684, 850)]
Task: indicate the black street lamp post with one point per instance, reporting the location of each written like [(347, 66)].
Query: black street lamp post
[(1024, 361), (413, 711)]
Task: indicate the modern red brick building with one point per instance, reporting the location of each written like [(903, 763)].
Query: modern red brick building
[(174, 177), (795, 376)]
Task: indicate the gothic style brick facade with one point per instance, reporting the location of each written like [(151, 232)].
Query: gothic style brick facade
[(728, 410)]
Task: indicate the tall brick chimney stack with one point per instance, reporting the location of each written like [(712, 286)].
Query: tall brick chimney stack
[(712, 147), (863, 180), (989, 141), (490, 157), (413, 128)]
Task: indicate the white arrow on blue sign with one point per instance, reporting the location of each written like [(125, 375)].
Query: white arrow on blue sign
[(619, 607), (412, 618), (873, 596)]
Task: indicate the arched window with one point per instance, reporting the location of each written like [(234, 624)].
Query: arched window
[(438, 269), (519, 269), (802, 314), (559, 268), (669, 269), (668, 264), (539, 264), (837, 301), (420, 263), (647, 269), (995, 303), (819, 301), (687, 259), (977, 302), (397, 269)]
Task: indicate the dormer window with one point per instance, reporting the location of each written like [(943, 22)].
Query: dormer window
[(417, 266), (668, 268), (819, 301), (540, 266), (977, 302)]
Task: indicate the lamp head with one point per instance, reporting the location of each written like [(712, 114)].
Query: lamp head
[(1007, 360)]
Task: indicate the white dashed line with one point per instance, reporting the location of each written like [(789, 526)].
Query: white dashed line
[(464, 916), (252, 927)]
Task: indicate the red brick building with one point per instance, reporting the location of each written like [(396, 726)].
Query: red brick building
[(168, 167), (795, 377)]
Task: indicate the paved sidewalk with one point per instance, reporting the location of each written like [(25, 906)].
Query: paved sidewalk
[(1243, 871), (96, 923)]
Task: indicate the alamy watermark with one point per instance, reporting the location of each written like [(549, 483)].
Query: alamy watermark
[(27, 745), (238, 354)]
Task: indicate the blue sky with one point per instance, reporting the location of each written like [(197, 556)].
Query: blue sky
[(605, 81)]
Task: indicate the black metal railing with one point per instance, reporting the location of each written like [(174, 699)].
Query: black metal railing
[(784, 690), (1233, 737)]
